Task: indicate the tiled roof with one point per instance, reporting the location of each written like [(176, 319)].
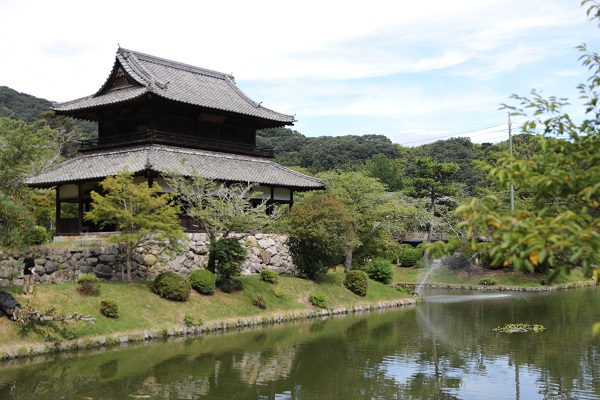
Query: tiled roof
[(175, 81), (164, 159)]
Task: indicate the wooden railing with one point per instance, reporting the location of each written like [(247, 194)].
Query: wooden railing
[(174, 139), (70, 226)]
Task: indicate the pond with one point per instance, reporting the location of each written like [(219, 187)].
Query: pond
[(443, 349)]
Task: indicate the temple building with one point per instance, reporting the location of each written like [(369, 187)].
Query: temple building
[(157, 116)]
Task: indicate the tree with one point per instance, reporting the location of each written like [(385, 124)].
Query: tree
[(42, 203), (459, 151), (139, 212), (561, 229), (377, 215), (15, 222), (390, 171), (67, 133), (433, 183), (219, 209), (24, 150), (320, 232)]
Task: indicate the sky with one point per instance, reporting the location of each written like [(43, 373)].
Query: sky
[(414, 71)]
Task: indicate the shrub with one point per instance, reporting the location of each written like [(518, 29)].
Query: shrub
[(357, 282), (381, 270), (318, 300), (230, 285), (268, 275), (392, 251), (172, 286), (278, 291), (260, 301), (226, 257), (405, 289), (109, 308), (89, 285), (487, 281), (409, 256), (203, 281), (188, 321), (37, 235)]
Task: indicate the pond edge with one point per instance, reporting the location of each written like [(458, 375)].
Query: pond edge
[(39, 349)]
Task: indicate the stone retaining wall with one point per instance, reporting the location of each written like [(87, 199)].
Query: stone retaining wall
[(106, 261)]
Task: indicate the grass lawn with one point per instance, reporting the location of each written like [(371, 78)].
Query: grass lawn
[(141, 310)]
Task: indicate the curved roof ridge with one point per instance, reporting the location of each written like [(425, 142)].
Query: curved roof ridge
[(179, 65), (134, 68), (254, 103)]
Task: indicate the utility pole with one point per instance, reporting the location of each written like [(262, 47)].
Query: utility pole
[(512, 191)]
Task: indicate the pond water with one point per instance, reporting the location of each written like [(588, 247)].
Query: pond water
[(442, 349)]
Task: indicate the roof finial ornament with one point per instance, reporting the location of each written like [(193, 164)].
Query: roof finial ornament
[(149, 159)]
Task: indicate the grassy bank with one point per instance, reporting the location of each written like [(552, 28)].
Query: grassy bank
[(140, 310), (505, 277)]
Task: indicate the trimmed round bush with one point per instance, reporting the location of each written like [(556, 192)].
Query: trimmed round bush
[(357, 282), (410, 256), (172, 286), (268, 275), (487, 281), (109, 308), (203, 281), (89, 285), (381, 270)]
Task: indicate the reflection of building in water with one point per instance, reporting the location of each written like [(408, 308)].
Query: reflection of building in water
[(256, 367), (188, 387)]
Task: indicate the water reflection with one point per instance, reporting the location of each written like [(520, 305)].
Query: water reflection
[(443, 349), (456, 298)]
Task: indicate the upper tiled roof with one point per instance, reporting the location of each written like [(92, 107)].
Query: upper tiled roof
[(174, 81), (167, 159)]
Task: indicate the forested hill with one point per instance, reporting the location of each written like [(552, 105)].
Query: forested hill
[(325, 153), (22, 106), (28, 108), (383, 159)]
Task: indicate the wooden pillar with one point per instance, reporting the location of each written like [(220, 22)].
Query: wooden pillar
[(80, 206), (57, 211)]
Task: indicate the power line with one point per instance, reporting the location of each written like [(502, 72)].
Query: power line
[(481, 134), (455, 134)]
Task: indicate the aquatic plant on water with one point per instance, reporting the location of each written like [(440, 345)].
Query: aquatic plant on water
[(520, 328)]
